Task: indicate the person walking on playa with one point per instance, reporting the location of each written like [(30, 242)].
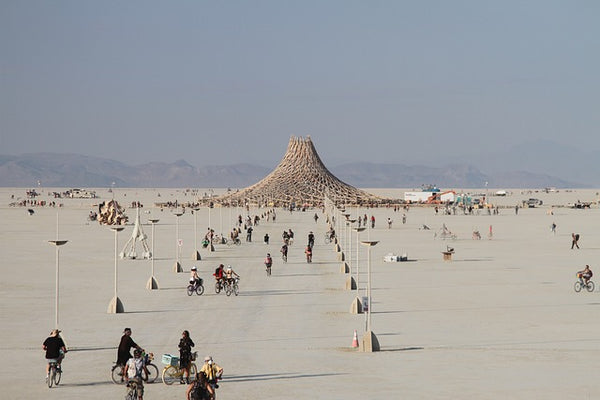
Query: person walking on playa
[(574, 242), (372, 221), (308, 252), (389, 221), (553, 228)]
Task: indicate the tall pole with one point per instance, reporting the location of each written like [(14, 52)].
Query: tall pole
[(177, 267), (152, 284), (57, 243), (196, 252), (370, 342), (115, 305)]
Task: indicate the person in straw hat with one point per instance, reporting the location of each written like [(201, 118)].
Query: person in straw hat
[(55, 350)]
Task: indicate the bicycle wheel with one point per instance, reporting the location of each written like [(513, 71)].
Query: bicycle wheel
[(590, 286), (152, 373), (193, 371), (57, 376), (200, 290), (116, 375), (50, 378), (236, 288), (577, 286), (238, 242), (228, 289), (170, 374), (190, 290), (327, 240), (131, 392), (217, 288)]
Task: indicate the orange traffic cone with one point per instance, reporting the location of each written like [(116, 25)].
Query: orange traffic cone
[(355, 340)]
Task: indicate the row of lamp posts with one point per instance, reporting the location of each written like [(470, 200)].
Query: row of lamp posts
[(116, 306), (369, 341)]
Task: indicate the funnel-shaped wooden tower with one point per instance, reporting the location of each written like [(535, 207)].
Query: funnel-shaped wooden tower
[(300, 178)]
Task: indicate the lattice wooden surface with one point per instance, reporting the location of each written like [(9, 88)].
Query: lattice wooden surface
[(300, 178)]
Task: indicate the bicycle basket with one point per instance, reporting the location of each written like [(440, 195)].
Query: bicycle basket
[(169, 359), (194, 355)]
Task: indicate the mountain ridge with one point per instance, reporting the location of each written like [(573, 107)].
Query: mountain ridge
[(76, 170)]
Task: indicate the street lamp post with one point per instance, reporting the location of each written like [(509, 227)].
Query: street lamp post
[(357, 307), (177, 267), (115, 306), (57, 243), (152, 284), (196, 252), (369, 341)]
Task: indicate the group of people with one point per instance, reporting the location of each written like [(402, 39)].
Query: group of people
[(134, 367)]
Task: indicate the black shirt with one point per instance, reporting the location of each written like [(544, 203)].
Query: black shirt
[(53, 345)]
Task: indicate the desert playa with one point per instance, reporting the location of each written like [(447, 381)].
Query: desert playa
[(499, 321)]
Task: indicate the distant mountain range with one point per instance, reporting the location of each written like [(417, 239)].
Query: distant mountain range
[(73, 170)]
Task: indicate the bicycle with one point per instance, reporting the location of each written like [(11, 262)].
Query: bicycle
[(132, 392), (172, 371), (236, 241), (219, 285), (580, 284), (116, 372), (196, 287), (328, 238), (54, 374), (232, 287)]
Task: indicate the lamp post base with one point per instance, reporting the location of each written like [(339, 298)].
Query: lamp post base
[(152, 284), (350, 283), (177, 267), (196, 256), (115, 306), (369, 343), (356, 307)]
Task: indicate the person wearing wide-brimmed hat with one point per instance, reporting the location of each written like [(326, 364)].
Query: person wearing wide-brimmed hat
[(55, 349)]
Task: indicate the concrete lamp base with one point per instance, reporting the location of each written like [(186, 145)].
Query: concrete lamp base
[(369, 343), (356, 307), (115, 306), (177, 267), (152, 284), (196, 256), (341, 256), (350, 283), (345, 269)]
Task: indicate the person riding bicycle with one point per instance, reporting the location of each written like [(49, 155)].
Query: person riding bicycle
[(134, 368), (55, 350), (229, 275), (331, 233), (268, 261), (586, 274), (212, 371), (219, 273), (194, 278), (123, 354)]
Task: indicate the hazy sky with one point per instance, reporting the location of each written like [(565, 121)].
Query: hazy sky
[(221, 82)]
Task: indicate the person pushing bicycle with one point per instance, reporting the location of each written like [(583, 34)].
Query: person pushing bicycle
[(133, 372)]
